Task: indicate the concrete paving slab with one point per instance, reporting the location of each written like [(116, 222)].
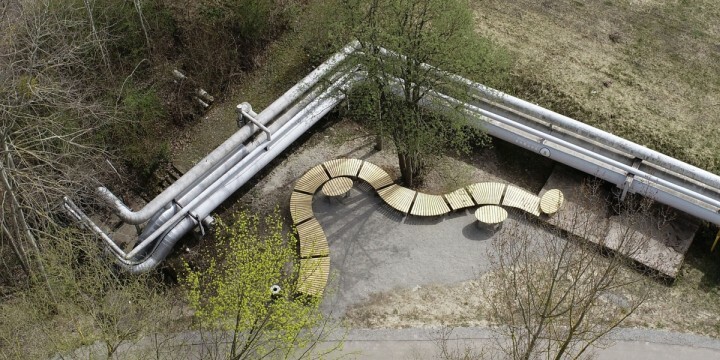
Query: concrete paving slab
[(664, 236), (581, 215), (375, 249), (664, 240)]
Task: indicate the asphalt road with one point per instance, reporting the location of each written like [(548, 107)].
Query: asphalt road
[(638, 344)]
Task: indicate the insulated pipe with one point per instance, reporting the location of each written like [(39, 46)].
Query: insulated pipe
[(580, 128), (226, 148), (616, 177), (624, 167), (192, 192), (469, 108), (193, 197), (595, 146), (642, 184), (291, 132)]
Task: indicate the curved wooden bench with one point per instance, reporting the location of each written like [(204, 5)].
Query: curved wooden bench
[(313, 275), (314, 249), (313, 242), (398, 197), (487, 193), (429, 205), (459, 199), (343, 167), (551, 201), (312, 180), (521, 199), (374, 175), (300, 207)]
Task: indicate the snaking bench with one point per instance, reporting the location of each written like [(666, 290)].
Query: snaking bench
[(335, 179)]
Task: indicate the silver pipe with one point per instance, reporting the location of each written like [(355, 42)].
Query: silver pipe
[(580, 128), (603, 159), (236, 179), (206, 186), (209, 191), (226, 148)]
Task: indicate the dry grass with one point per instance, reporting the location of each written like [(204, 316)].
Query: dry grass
[(690, 305), (645, 70)]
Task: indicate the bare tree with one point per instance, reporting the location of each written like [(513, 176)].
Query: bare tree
[(48, 112), (556, 295)]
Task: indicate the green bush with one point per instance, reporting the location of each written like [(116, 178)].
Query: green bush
[(139, 139)]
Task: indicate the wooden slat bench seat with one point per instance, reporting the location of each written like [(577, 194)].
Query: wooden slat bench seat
[(343, 167), (551, 201), (398, 197), (429, 205), (313, 242), (487, 193), (521, 199), (374, 175), (338, 186), (313, 275), (300, 207), (490, 216), (459, 199), (312, 180)]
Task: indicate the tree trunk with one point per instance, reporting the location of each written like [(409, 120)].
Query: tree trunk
[(379, 142), (410, 165)]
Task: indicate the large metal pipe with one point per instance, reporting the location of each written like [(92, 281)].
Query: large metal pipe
[(227, 148), (575, 126), (208, 190), (192, 193), (596, 134), (235, 179)]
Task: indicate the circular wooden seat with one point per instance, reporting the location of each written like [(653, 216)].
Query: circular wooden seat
[(551, 201), (337, 186), (490, 216)]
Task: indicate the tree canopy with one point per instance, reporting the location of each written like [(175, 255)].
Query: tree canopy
[(234, 292), (416, 33)]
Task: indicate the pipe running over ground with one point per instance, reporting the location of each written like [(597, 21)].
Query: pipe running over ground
[(188, 202)]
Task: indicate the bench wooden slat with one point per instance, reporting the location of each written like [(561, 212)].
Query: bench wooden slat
[(313, 275), (374, 175), (459, 199), (300, 207), (312, 239), (521, 199), (398, 197), (487, 193), (337, 186), (343, 167), (490, 214), (312, 180), (551, 201), (429, 205)]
